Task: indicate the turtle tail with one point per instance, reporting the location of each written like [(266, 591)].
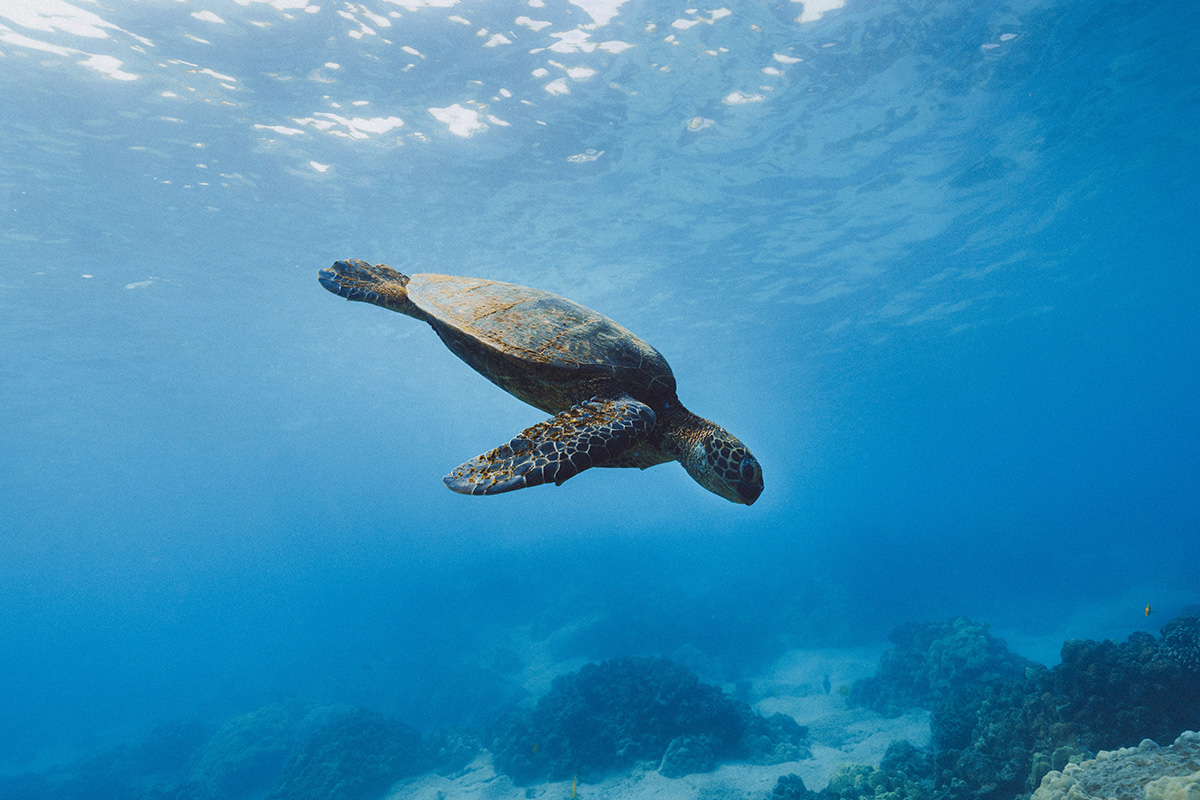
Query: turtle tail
[(379, 284)]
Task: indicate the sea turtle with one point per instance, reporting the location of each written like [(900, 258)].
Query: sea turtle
[(612, 396)]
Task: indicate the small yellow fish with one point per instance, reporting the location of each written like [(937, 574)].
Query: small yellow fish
[(574, 787), (535, 747), (1147, 609)]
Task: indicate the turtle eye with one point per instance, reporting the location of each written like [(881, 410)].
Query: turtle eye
[(750, 471)]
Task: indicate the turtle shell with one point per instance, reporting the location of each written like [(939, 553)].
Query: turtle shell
[(539, 346)]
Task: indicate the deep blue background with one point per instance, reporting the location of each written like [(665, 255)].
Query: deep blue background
[(941, 279)]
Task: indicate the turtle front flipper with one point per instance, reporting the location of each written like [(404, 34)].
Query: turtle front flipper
[(378, 284), (583, 436)]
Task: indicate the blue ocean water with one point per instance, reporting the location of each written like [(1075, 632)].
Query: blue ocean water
[(934, 262)]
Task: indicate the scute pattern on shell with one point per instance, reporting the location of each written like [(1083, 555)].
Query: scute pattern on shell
[(581, 437), (539, 330)]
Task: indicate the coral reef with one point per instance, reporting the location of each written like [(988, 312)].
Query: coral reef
[(1002, 728), (117, 773), (284, 751), (1181, 642), (294, 751), (354, 755), (772, 740), (688, 754), (1104, 695), (996, 738), (1146, 771), (791, 787), (612, 715), (247, 753), (932, 661), (904, 774)]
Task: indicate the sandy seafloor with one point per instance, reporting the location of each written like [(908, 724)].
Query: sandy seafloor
[(792, 686)]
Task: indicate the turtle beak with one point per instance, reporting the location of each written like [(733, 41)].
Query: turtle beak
[(749, 493)]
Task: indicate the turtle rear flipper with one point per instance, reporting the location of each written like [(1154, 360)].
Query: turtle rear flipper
[(379, 284), (583, 436)]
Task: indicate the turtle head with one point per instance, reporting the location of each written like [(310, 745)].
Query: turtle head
[(718, 461)]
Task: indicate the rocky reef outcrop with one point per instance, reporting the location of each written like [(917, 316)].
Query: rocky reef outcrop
[(283, 751), (1000, 724), (1145, 772), (613, 715), (933, 661)]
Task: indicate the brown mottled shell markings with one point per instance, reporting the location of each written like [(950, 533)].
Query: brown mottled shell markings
[(542, 332)]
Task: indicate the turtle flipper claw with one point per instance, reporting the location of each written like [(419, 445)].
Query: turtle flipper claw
[(583, 436)]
